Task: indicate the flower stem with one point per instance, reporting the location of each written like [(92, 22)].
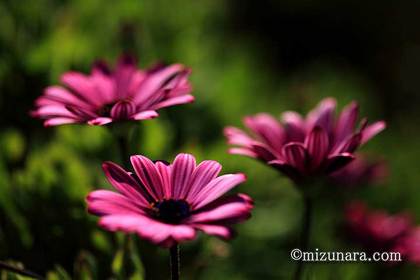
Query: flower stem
[(305, 233), (20, 271), (174, 262)]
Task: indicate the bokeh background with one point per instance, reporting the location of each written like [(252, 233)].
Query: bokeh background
[(247, 57)]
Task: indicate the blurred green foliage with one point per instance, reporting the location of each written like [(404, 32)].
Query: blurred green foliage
[(45, 174)]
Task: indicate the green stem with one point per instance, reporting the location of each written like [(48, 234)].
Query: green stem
[(24, 272), (305, 233), (174, 262)]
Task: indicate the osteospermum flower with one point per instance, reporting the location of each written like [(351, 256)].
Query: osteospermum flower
[(300, 147), (167, 203), (379, 231), (105, 96)]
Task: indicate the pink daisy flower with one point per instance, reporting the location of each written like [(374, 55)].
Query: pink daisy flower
[(379, 231), (105, 96), (301, 147), (167, 203)]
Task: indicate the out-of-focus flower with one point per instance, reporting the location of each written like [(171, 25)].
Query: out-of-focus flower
[(360, 171), (167, 203), (300, 147), (378, 231), (105, 96), (409, 245)]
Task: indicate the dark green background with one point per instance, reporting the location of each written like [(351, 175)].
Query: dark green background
[(247, 57)]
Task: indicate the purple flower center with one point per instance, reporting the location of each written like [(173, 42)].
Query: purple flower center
[(121, 109), (171, 211)]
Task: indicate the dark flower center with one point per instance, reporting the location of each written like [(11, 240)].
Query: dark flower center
[(171, 211), (105, 110)]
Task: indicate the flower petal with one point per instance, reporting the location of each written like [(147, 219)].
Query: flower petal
[(83, 87), (182, 170), (154, 231), (323, 115), (294, 126), (216, 188), (236, 136), (317, 144), (125, 184), (346, 121), (242, 151), (145, 115), (295, 154), (371, 130), (59, 121), (224, 232), (100, 121), (149, 176), (263, 152), (205, 172), (230, 209), (267, 129), (165, 175), (154, 81), (183, 99), (104, 202)]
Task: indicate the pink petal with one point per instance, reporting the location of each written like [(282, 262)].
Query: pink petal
[(100, 121), (122, 110), (317, 144), (242, 151), (230, 209), (83, 87), (323, 115), (349, 145), (151, 230), (294, 126), (63, 96), (202, 175), (59, 121), (149, 176), (54, 111), (104, 202), (125, 184), (182, 170), (216, 230), (236, 136), (145, 115), (296, 155), (371, 130), (347, 121), (126, 67), (267, 129), (174, 101), (81, 112), (216, 188), (165, 175), (154, 81), (263, 152)]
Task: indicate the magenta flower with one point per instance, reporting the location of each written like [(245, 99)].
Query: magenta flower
[(378, 231), (167, 203), (360, 171), (105, 96), (301, 147)]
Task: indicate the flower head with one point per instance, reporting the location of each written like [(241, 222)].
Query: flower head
[(378, 231), (167, 203), (301, 147), (105, 96)]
